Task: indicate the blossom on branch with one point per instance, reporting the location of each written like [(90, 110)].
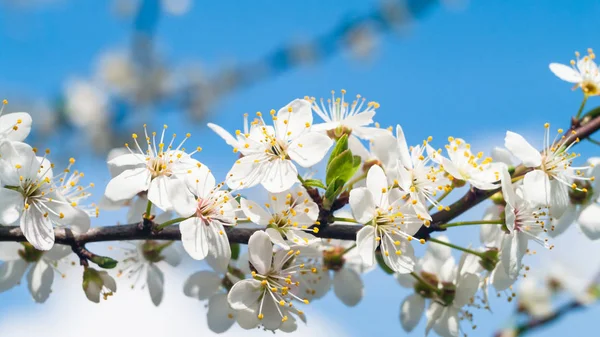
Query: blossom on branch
[(288, 215), (153, 170), (269, 152)]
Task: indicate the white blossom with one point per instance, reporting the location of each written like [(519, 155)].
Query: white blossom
[(208, 209), (14, 126), (269, 153), (153, 170), (141, 263), (583, 73), (341, 117), (549, 182), (19, 257), (29, 195), (463, 165), (417, 177), (271, 290), (287, 215), (388, 222)]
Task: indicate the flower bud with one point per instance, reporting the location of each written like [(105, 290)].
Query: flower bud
[(97, 282), (498, 199), (489, 259)]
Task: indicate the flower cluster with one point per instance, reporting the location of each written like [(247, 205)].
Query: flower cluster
[(389, 194)]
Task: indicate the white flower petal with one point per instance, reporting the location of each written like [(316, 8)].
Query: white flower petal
[(260, 252), (158, 192), (348, 286), (291, 124), (365, 244), (502, 155), (411, 310), (56, 253), (500, 279), (514, 247), (127, 184), (128, 160), (377, 183), (276, 238), (37, 229), (521, 149), (466, 287), (536, 188), (247, 319), (219, 247), (202, 285), (589, 221), (194, 238), (559, 226), (39, 280), (172, 254), (255, 212), (279, 176), (229, 139), (244, 294), (11, 273), (21, 120), (565, 73), (309, 149), (220, 317), (181, 198), (11, 205), (404, 154), (155, 281), (360, 119), (362, 205), (559, 198)]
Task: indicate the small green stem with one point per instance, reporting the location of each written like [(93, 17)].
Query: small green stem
[(148, 209), (170, 222), (334, 219), (348, 249), (466, 250), (585, 98), (441, 198), (301, 180), (422, 281), (471, 223), (351, 183)]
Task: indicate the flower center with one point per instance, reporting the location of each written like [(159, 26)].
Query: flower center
[(590, 88), (159, 166)]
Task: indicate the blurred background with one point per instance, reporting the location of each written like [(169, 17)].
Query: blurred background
[(92, 72)]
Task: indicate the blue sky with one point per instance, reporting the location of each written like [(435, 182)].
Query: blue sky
[(472, 73)]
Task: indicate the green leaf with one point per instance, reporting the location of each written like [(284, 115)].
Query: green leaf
[(343, 166), (235, 250), (314, 183), (333, 190), (340, 146), (382, 264)]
